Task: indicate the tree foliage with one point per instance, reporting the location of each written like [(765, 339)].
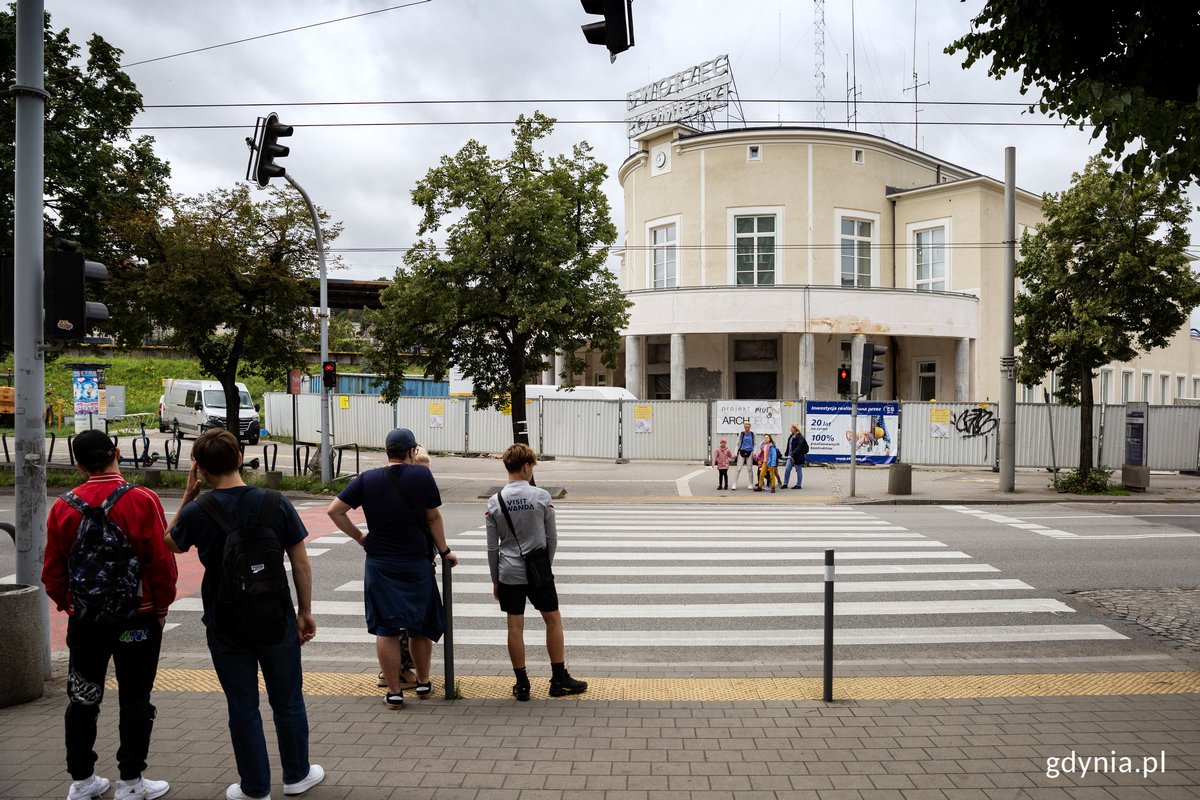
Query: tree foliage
[(226, 279), (1114, 64), (94, 169), (1104, 278), (521, 274)]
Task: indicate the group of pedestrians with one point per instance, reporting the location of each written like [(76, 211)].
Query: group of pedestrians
[(110, 565), (761, 466)]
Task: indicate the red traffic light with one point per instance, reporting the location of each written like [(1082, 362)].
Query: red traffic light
[(329, 374)]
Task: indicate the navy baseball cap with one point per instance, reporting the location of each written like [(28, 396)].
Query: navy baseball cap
[(400, 439), (93, 450)]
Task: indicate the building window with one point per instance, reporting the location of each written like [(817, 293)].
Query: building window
[(926, 380), (1147, 387), (601, 379), (1105, 386), (1196, 388), (755, 349), (856, 252), (1164, 389), (753, 153), (755, 251), (931, 260), (1027, 394), (1126, 386), (666, 271), (859, 156), (1180, 387), (662, 387)]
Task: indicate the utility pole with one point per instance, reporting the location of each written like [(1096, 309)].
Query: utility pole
[(29, 466), (1008, 361)]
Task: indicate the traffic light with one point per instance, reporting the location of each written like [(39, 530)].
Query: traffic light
[(329, 374), (843, 380), (871, 353), (68, 281), (616, 32), (266, 148)]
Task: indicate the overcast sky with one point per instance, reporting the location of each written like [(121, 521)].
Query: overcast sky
[(465, 55)]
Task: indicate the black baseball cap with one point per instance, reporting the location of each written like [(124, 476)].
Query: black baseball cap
[(93, 450), (400, 439)]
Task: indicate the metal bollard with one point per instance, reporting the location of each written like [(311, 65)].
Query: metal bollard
[(827, 694), (448, 647)]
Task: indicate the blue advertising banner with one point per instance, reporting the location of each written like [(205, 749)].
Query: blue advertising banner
[(829, 433)]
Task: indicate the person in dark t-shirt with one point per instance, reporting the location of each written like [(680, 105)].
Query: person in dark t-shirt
[(404, 529)]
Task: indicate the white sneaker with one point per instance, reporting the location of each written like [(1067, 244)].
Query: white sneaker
[(87, 789), (141, 789), (315, 775), (234, 792)]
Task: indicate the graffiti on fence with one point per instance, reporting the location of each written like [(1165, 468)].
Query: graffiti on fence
[(975, 422)]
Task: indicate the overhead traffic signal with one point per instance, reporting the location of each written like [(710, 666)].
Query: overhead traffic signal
[(69, 279), (843, 380), (266, 149), (329, 374), (616, 31), (871, 355)]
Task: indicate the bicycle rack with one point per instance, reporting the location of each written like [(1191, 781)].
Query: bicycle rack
[(53, 439), (4, 441), (296, 468), (340, 449), (172, 448), (270, 456)]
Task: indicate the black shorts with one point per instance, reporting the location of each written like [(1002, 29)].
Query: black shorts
[(512, 597)]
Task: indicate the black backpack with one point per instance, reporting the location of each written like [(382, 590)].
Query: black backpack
[(252, 595), (104, 572)]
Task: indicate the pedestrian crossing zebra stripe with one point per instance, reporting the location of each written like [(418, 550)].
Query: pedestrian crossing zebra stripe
[(755, 587), (816, 554), (626, 545), (691, 639), (713, 611)]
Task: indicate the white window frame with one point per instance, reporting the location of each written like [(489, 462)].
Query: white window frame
[(754, 154), (1196, 388), (918, 374), (858, 156), (731, 215), (1164, 388), (1106, 386), (1147, 387), (840, 214), (648, 238), (1126, 386), (1180, 386), (910, 234)]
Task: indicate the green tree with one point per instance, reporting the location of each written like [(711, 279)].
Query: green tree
[(1105, 277), (521, 274), (94, 170), (226, 279), (1114, 64)]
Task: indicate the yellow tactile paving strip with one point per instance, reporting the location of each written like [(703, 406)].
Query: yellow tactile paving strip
[(936, 687)]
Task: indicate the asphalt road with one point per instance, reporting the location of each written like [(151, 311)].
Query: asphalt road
[(720, 589)]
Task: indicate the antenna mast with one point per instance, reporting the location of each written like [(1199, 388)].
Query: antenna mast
[(916, 85), (819, 54)]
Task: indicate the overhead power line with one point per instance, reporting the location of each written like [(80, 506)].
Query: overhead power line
[(435, 123), (564, 101), (274, 33)]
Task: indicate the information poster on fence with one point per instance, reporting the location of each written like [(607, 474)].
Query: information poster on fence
[(763, 415), (643, 419), (437, 414), (830, 434)]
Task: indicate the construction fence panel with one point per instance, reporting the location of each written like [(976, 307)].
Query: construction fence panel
[(1034, 445), (949, 434), (579, 428), (279, 415), (665, 430), (439, 423), (491, 431), (1172, 434), (362, 419)]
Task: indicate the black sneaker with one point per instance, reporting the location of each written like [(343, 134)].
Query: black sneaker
[(521, 691), (424, 689), (560, 687), (394, 701)]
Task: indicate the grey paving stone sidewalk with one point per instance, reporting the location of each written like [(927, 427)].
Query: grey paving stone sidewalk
[(493, 750)]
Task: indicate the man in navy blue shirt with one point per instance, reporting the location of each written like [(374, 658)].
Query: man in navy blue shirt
[(745, 457), (404, 529)]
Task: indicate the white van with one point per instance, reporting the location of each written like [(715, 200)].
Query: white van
[(535, 390), (197, 406)]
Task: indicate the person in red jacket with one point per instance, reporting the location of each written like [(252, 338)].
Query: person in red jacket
[(133, 643)]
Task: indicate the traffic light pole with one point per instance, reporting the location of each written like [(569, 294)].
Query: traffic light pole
[(853, 432), (29, 466), (326, 453)]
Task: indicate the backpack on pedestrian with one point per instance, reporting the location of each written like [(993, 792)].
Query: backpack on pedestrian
[(105, 575), (252, 594)]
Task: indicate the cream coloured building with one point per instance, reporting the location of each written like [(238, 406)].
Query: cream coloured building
[(757, 260)]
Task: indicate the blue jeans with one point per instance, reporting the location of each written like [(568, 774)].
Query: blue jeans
[(237, 670), (787, 472)]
